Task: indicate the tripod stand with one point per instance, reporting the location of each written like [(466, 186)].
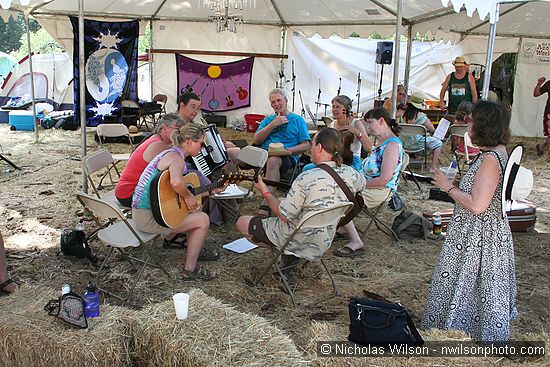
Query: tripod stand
[(378, 102)]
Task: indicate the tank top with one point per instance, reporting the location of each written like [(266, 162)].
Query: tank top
[(459, 90), (372, 165)]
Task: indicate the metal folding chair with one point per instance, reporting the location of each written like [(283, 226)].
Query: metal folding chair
[(321, 218), (408, 129), (120, 233), (249, 158)]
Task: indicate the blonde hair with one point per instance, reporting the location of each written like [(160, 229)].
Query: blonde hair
[(190, 131)]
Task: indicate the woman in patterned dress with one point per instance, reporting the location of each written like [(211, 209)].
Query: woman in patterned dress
[(474, 283)]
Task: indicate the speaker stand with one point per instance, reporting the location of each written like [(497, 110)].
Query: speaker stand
[(380, 87)]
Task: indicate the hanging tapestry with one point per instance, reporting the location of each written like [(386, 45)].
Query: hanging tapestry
[(222, 87), (110, 61)]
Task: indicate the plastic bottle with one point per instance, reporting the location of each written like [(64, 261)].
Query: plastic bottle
[(437, 224), (80, 225), (66, 288), (91, 301), (452, 170)]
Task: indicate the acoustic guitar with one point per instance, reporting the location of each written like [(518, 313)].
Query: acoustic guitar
[(241, 92), (169, 208)]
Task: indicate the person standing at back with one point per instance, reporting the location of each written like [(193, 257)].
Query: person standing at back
[(461, 86), (540, 89)]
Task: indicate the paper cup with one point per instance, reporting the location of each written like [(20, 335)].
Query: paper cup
[(181, 304)]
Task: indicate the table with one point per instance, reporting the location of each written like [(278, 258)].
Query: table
[(434, 114)]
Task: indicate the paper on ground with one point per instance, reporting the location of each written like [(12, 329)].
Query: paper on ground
[(240, 246)]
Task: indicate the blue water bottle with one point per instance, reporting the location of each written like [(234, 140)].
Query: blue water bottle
[(91, 301)]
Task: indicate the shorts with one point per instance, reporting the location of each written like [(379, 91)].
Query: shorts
[(256, 230), (433, 143), (146, 223), (287, 163), (545, 121), (374, 196)]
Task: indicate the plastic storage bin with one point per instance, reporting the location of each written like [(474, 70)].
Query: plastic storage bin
[(21, 120), (252, 121)]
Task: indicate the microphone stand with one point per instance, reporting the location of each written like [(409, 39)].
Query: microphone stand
[(293, 85), (339, 86), (302, 102), (358, 91), (318, 100)]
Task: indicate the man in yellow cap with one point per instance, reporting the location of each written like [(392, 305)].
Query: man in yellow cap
[(460, 84)]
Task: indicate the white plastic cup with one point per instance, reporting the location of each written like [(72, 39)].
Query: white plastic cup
[(181, 304)]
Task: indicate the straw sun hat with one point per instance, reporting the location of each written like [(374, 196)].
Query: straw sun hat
[(459, 61), (134, 131), (417, 100), (278, 150)]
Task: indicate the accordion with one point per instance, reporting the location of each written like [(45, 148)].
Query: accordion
[(213, 155)]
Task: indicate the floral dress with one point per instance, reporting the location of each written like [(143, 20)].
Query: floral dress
[(474, 283)]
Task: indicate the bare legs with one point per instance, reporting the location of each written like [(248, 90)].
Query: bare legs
[(272, 172), (8, 288), (196, 226)]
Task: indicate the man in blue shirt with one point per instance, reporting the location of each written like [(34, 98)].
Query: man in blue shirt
[(283, 127)]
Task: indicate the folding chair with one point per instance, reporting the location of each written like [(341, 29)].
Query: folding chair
[(120, 233), (321, 218), (249, 158), (95, 162), (404, 167), (408, 130), (114, 131), (469, 148), (156, 115)]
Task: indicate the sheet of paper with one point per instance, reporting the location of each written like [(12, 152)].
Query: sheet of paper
[(442, 128), (231, 189), (240, 246)]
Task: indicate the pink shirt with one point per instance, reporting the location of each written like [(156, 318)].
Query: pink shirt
[(136, 165)]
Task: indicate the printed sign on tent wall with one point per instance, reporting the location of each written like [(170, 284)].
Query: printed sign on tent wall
[(535, 52), (222, 87)]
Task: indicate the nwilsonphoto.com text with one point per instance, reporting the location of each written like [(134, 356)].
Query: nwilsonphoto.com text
[(433, 349)]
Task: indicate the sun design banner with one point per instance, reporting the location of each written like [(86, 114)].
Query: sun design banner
[(110, 56), (222, 87)]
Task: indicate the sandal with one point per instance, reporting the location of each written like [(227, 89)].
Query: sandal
[(349, 252), (179, 241), (199, 273), (5, 284), (208, 255)]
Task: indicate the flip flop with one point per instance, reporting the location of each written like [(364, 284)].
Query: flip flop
[(349, 252), (5, 284)]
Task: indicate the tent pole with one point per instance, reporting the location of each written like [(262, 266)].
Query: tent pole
[(81, 89), (33, 96), (489, 57), (397, 47), (408, 58), (150, 56)]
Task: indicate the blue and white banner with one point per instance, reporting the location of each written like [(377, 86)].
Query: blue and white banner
[(110, 56)]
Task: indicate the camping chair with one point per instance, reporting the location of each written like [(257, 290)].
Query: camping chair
[(98, 161), (408, 130), (120, 233), (249, 158), (321, 218), (155, 114), (132, 114)]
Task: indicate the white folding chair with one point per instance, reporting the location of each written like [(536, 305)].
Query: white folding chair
[(321, 218), (120, 233), (413, 130), (114, 131), (469, 148), (249, 158), (95, 162)]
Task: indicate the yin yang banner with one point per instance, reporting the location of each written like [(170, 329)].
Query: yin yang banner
[(110, 56), (222, 87)]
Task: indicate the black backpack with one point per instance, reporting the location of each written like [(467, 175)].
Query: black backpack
[(410, 226), (74, 243)]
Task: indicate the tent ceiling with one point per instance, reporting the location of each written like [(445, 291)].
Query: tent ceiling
[(328, 17)]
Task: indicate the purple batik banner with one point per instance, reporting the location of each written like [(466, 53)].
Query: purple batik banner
[(222, 87)]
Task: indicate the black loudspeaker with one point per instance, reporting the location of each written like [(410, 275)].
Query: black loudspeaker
[(384, 52)]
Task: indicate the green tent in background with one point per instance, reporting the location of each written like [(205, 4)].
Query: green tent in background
[(7, 64)]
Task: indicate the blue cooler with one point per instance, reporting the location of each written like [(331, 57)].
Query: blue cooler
[(21, 120)]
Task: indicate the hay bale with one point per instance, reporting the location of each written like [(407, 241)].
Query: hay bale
[(322, 331), (214, 334), (29, 337)]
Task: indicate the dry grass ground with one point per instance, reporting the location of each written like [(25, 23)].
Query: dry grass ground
[(38, 201)]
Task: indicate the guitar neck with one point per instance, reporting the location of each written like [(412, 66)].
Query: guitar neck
[(236, 178), (206, 188)]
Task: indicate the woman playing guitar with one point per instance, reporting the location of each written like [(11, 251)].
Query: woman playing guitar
[(187, 141)]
